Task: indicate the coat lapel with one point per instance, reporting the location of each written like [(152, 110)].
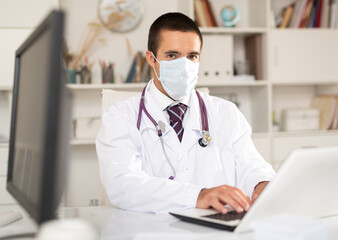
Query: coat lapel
[(169, 135), (192, 129)]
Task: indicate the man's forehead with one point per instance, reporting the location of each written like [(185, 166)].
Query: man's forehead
[(170, 40)]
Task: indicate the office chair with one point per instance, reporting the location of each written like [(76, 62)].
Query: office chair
[(109, 97)]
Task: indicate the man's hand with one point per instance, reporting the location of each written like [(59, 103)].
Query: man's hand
[(217, 197), (258, 190)]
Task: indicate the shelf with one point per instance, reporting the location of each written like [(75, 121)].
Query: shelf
[(305, 133), (139, 86), (76, 142), (116, 86), (236, 31), (304, 29), (4, 144), (298, 83), (260, 135), (5, 88), (233, 84)]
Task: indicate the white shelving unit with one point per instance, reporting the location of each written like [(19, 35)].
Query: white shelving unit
[(284, 83), (282, 86)]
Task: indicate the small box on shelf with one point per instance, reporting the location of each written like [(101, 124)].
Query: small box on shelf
[(86, 128), (301, 119)]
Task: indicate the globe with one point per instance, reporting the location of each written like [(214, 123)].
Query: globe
[(230, 16)]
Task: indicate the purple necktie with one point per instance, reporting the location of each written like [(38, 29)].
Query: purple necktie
[(176, 114)]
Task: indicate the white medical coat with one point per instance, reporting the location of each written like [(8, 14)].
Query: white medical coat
[(135, 172)]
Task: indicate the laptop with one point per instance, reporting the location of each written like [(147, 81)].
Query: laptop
[(306, 184)]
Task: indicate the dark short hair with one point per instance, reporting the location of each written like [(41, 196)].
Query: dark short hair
[(173, 21)]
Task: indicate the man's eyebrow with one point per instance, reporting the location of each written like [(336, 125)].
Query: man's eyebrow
[(177, 52), (172, 52)]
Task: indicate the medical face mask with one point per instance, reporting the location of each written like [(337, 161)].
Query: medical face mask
[(178, 77)]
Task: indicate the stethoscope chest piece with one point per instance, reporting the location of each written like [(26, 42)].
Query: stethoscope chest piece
[(205, 140)]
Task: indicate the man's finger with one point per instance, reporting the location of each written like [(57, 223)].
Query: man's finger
[(227, 198), (236, 199), (219, 207), (254, 197), (243, 200)]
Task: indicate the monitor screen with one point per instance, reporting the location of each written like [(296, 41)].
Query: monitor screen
[(40, 122)]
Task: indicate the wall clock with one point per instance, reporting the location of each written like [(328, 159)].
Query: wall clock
[(120, 15)]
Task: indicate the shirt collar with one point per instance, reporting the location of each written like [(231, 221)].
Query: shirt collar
[(163, 100)]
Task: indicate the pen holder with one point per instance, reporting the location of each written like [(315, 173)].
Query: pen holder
[(70, 75), (85, 74), (108, 75)]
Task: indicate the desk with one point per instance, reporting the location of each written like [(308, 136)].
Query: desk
[(113, 223)]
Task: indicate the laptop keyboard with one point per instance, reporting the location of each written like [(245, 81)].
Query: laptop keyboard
[(227, 217)]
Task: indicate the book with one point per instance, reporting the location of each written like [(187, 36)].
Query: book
[(139, 65), (217, 16), (132, 71), (334, 123), (211, 22), (318, 13), (279, 18), (333, 13), (302, 13), (200, 13), (212, 13), (307, 13), (253, 53), (312, 18), (324, 19), (327, 104), (286, 16), (145, 74)]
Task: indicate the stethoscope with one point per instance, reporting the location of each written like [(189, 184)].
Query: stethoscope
[(160, 126)]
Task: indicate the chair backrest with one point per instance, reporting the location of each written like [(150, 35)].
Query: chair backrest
[(109, 97)]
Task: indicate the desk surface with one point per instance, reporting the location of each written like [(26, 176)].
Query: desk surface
[(118, 224)]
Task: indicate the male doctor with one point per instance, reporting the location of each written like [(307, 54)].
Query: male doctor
[(156, 155)]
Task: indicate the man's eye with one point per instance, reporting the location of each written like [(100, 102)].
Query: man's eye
[(193, 57), (171, 56)]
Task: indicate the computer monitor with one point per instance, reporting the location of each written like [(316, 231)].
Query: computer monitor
[(40, 123)]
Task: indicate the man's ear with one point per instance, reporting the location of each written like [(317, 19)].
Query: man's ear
[(150, 59)]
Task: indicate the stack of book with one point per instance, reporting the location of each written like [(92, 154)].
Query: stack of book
[(139, 71), (309, 14), (328, 107), (205, 14)]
